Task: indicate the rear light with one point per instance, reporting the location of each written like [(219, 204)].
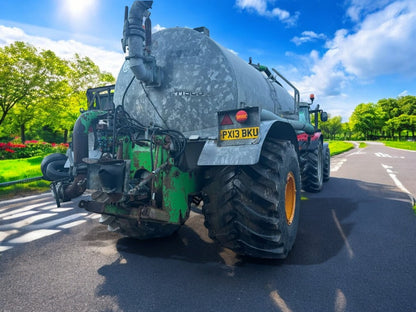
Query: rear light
[(241, 116)]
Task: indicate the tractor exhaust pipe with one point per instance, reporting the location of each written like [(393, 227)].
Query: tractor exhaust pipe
[(143, 66)]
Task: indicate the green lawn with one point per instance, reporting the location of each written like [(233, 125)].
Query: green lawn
[(18, 169), (338, 147), (403, 145)]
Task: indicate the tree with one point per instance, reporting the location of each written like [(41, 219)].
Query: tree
[(390, 107), (407, 104), (331, 127), (412, 124), (364, 120), (82, 74), (346, 130), (32, 110), (21, 76), (41, 90)]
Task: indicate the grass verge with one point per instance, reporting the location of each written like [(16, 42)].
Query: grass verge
[(403, 145), (362, 145), (338, 147), (18, 169)]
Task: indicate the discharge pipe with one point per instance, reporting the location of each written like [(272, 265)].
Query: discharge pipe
[(143, 66)]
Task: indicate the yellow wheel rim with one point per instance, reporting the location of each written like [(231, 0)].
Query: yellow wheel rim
[(290, 198)]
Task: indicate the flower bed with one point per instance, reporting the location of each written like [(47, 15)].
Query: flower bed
[(12, 150)]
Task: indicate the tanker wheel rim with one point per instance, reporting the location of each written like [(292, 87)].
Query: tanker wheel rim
[(290, 198)]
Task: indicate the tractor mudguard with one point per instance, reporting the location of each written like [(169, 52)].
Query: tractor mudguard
[(316, 139), (214, 155)]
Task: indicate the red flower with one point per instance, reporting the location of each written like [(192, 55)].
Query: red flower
[(9, 150)]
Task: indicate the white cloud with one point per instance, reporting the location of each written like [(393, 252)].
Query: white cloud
[(107, 60), (383, 44), (359, 8), (403, 93), (261, 7), (308, 36), (157, 28)]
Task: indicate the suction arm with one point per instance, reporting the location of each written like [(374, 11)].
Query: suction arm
[(143, 66)]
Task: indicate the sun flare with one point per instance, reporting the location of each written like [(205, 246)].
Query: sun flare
[(78, 9)]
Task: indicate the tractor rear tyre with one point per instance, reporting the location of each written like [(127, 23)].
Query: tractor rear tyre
[(312, 169), (327, 162), (254, 210)]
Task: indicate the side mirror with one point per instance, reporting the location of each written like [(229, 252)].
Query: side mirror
[(324, 116)]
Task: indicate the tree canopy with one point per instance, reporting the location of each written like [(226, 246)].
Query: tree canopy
[(39, 90), (385, 119)]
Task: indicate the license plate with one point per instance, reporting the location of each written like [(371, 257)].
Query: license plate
[(238, 134)]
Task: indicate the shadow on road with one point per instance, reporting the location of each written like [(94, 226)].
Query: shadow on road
[(153, 273), (324, 226)]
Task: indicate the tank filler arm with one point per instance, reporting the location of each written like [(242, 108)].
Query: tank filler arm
[(296, 95), (143, 67)]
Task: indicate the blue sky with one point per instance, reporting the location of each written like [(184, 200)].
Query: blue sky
[(347, 52)]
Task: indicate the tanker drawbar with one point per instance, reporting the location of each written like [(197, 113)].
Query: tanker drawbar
[(187, 126)]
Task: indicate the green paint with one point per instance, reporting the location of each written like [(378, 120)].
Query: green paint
[(171, 186), (87, 117), (176, 188)]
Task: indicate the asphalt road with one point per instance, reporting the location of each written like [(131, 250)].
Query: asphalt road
[(355, 251)]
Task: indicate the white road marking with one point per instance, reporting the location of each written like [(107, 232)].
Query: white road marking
[(344, 237), (21, 223), (5, 234), (14, 211), (4, 248), (396, 181), (61, 209), (55, 222), (22, 214), (49, 207), (32, 236), (25, 199), (340, 301), (382, 155), (27, 221), (336, 165), (94, 216), (72, 224), (358, 152), (279, 302)]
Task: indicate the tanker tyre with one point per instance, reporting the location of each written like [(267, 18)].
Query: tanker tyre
[(312, 169), (143, 230), (48, 159), (56, 171), (254, 210), (327, 162)]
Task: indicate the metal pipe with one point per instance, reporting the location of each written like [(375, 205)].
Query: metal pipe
[(143, 67)]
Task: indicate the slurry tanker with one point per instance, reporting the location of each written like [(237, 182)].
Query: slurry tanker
[(188, 126)]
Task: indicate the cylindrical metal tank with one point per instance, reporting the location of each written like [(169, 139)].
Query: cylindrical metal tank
[(200, 77)]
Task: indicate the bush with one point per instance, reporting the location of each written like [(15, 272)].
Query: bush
[(12, 150)]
